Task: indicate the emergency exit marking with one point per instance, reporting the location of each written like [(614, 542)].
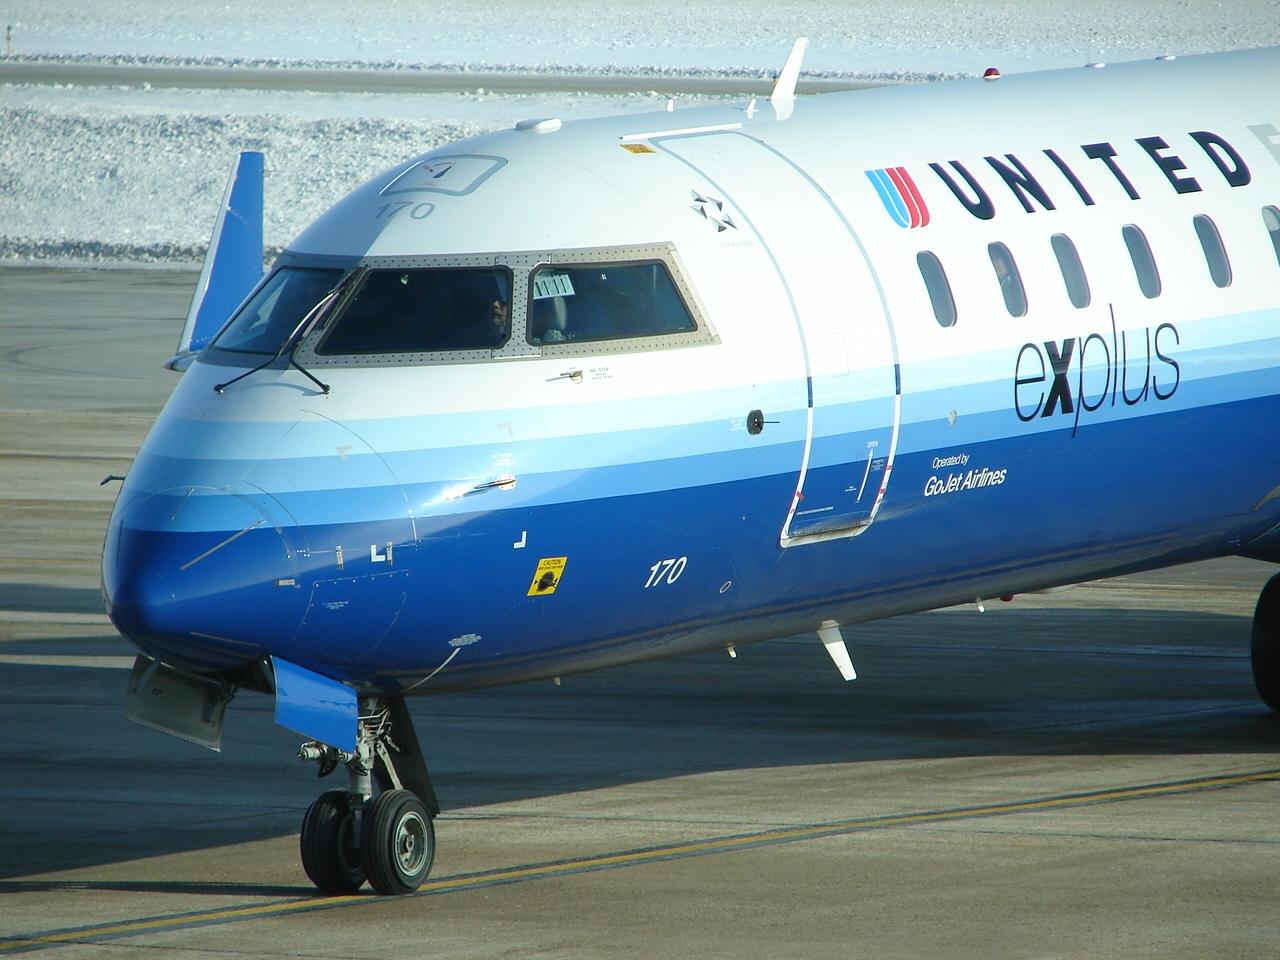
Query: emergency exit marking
[(547, 577)]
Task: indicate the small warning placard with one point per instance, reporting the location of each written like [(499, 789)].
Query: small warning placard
[(547, 577)]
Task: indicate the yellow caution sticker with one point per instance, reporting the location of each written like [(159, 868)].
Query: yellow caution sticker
[(638, 148), (547, 577)]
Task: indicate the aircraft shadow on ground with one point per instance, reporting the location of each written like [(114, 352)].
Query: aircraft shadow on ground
[(39, 598), (955, 683)]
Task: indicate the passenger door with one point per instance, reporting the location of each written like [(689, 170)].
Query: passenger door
[(854, 392)]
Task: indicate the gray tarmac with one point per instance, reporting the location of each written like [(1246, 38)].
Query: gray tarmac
[(1082, 774)]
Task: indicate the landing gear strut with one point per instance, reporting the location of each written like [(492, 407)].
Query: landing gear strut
[(350, 835), (1265, 648)]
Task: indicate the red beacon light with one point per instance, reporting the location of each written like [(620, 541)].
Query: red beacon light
[(991, 73)]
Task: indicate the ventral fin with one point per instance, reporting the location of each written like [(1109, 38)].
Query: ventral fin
[(829, 634)]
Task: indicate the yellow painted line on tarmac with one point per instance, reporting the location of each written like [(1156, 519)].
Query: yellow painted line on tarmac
[(631, 857)]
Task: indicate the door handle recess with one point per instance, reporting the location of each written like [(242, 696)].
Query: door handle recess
[(505, 482)]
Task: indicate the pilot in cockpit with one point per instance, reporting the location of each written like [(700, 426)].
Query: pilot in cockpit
[(499, 325)]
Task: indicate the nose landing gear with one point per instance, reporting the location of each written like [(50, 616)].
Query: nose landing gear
[(350, 835)]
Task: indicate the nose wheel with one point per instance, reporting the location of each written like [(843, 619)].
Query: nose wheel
[(350, 835), (390, 841), (330, 844), (397, 843)]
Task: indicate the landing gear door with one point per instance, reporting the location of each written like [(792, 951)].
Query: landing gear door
[(854, 395)]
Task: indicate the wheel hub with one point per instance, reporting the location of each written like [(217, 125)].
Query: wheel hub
[(411, 843)]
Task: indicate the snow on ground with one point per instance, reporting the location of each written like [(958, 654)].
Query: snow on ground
[(155, 180), (136, 173), (862, 35), (109, 173)]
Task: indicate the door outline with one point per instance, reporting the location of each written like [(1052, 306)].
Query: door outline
[(785, 538)]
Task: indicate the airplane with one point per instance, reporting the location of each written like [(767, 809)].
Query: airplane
[(574, 395)]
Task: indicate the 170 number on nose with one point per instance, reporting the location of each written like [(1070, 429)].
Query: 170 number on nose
[(666, 571)]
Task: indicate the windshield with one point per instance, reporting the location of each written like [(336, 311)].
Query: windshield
[(607, 301), (424, 310), (276, 309)]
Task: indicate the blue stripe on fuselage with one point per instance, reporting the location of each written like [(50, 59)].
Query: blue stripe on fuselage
[(1120, 494), (438, 481)]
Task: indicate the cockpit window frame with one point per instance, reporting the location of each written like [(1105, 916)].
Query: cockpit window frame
[(220, 356), (523, 264), (308, 356), (702, 333), (321, 346)]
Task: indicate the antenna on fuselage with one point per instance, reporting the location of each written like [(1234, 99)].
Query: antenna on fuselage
[(784, 88)]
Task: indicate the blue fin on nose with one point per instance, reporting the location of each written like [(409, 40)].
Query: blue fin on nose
[(233, 264), (315, 706)]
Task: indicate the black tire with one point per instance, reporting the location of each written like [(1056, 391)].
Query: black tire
[(328, 843), (1265, 649), (397, 843)]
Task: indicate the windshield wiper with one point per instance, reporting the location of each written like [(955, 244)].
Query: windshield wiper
[(324, 387), (300, 333)]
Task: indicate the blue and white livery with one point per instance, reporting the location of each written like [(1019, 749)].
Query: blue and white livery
[(577, 395)]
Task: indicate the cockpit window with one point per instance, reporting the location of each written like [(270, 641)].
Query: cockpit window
[(275, 311), (604, 301), (405, 311), (508, 306)]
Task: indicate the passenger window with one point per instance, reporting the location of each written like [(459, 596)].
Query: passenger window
[(1271, 219), (424, 311), (935, 281), (1015, 296), (1072, 270), (604, 301), (276, 309), (1215, 254), (1144, 264)]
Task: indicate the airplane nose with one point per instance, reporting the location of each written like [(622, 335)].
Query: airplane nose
[(200, 577)]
